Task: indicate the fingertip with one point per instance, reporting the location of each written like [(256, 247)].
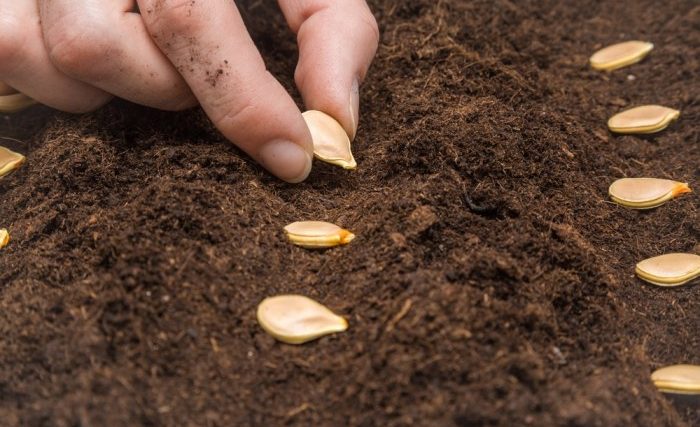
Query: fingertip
[(287, 160), (337, 95)]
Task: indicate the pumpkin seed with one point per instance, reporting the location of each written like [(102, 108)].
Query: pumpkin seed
[(643, 119), (670, 269), (317, 234), (645, 193), (331, 143), (4, 238), (15, 102), (296, 319), (9, 161), (620, 55), (678, 379)]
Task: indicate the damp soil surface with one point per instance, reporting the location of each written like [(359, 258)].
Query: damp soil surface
[(491, 282)]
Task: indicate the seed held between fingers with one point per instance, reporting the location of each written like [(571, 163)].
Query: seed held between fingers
[(317, 234), (620, 55), (331, 143), (15, 103), (645, 193), (643, 119), (4, 238), (9, 161), (677, 379), (296, 319), (668, 270)]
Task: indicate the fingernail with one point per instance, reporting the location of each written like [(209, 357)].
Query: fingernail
[(354, 107), (287, 160)]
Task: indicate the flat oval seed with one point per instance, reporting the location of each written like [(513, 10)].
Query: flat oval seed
[(643, 119), (15, 102), (317, 234), (645, 193), (670, 269), (681, 379), (331, 143), (9, 161), (296, 319), (4, 238), (620, 55), (6, 90)]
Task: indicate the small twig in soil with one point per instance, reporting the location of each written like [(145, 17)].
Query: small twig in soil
[(480, 209), (298, 410), (404, 310)]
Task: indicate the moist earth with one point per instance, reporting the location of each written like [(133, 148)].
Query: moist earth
[(492, 280)]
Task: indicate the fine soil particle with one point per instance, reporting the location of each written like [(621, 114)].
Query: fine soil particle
[(491, 282)]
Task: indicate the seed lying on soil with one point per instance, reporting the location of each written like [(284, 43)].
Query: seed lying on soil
[(331, 143), (317, 234), (643, 119), (670, 269), (678, 379), (620, 55), (9, 161), (296, 319), (6, 90), (15, 102), (4, 238), (645, 193)]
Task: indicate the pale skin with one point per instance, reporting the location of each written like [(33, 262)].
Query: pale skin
[(75, 55)]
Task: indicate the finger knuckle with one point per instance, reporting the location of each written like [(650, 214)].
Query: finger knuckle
[(235, 112), (168, 18), (81, 46), (247, 107), (12, 39)]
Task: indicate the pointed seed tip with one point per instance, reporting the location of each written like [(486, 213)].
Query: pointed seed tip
[(681, 188), (346, 236)]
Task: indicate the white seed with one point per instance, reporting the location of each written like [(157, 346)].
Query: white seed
[(679, 379), (6, 90), (645, 193), (620, 55), (9, 161), (643, 119), (331, 143), (317, 234), (4, 238), (15, 102), (669, 270), (296, 319)]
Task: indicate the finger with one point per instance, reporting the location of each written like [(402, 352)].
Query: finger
[(105, 44), (25, 64), (209, 45), (337, 41)]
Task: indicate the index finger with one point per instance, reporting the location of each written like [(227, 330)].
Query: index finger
[(209, 45)]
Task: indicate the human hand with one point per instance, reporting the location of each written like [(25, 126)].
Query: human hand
[(74, 54)]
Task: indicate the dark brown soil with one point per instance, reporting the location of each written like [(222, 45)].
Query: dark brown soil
[(142, 242)]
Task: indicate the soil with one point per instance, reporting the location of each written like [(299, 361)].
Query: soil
[(491, 282)]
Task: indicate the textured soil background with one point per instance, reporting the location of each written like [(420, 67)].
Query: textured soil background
[(143, 242)]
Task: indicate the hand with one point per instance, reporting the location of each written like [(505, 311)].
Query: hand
[(74, 54)]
